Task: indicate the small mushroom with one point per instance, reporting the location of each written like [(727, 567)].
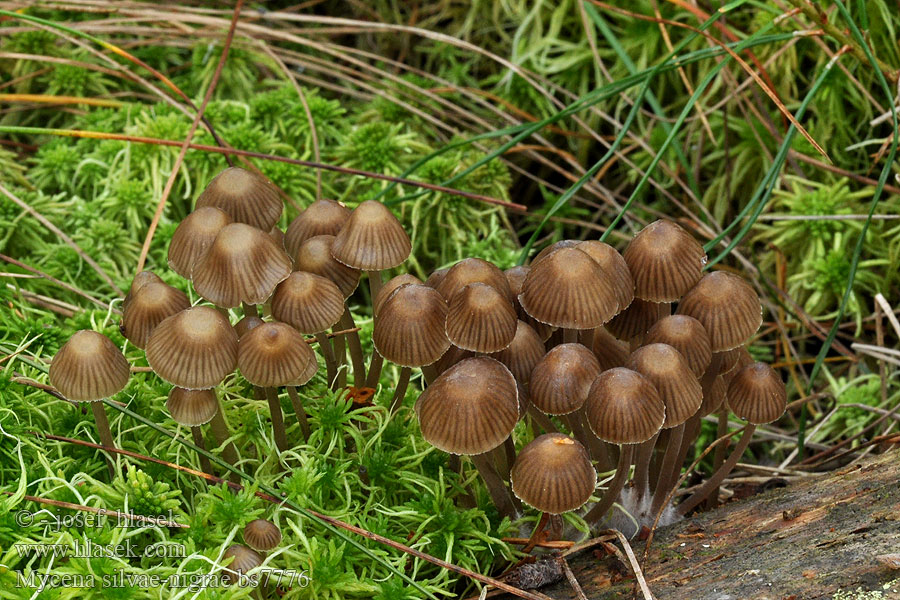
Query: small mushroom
[(245, 196), (665, 261), (553, 474), (148, 307), (322, 217), (193, 237), (244, 561), (262, 535), (480, 319)]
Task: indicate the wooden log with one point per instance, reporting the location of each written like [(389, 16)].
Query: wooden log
[(816, 538)]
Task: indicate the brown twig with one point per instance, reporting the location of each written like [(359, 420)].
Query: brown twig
[(120, 516), (187, 140), (52, 279)]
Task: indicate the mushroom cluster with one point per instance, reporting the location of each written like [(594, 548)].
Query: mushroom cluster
[(613, 358)]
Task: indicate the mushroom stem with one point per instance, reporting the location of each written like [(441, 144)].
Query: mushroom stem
[(103, 430), (586, 337), (712, 484), (500, 494), (297, 403), (615, 486), (667, 468), (340, 354), (400, 390), (691, 428), (220, 432), (375, 285), (277, 419), (374, 370), (505, 456), (328, 354), (429, 373), (250, 310), (719, 454), (198, 441), (356, 353), (542, 420), (642, 466), (570, 336)]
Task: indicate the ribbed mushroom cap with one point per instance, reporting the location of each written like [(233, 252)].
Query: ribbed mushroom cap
[(245, 196), (452, 356), (756, 394), (245, 560), (147, 308), (672, 377), (192, 408), (277, 236), (480, 319), (89, 367), (686, 335), (665, 261), (390, 287), (523, 354), (635, 320), (553, 248), (322, 217), (713, 397), (409, 330), (193, 237), (515, 276), (436, 277), (560, 382), (272, 354), (615, 267), (307, 302), (262, 535), (242, 265), (139, 281), (372, 239), (473, 270), (727, 306), (623, 407), (610, 352), (312, 366), (734, 358), (553, 474), (314, 256), (568, 289), (194, 349), (246, 324), (471, 408)]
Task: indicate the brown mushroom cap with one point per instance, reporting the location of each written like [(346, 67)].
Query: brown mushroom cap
[(246, 324), (553, 474), (515, 276), (480, 319), (409, 330), (314, 256), (523, 354), (672, 377), (610, 352), (194, 349), (623, 407), (713, 397), (615, 267), (372, 239), (436, 277), (322, 217), (757, 394), (273, 354), (665, 261), (726, 306), (245, 560), (245, 196), (193, 237), (473, 270), (242, 265), (192, 408), (139, 281), (307, 302), (262, 535), (147, 308), (686, 335), (568, 289), (388, 288), (553, 248), (560, 382), (635, 320), (89, 367), (471, 408)]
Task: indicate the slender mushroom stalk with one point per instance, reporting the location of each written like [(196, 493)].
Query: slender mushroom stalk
[(278, 430), (89, 368), (500, 494), (614, 488), (197, 436), (220, 431), (299, 411), (328, 354), (193, 408), (755, 394)]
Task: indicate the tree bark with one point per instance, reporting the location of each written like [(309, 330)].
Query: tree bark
[(809, 540)]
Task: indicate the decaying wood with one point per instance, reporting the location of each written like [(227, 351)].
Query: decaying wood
[(808, 541)]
